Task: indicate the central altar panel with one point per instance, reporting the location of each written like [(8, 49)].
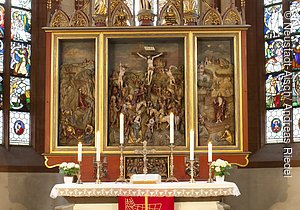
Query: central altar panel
[(146, 82)]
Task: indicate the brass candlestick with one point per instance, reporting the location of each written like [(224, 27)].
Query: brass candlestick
[(172, 178), (99, 166), (210, 180), (79, 174), (192, 180), (121, 177)]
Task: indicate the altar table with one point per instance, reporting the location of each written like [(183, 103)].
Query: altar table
[(84, 196)]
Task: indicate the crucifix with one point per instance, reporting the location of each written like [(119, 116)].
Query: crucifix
[(145, 152)]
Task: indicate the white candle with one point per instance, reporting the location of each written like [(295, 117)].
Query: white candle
[(209, 152), (79, 157), (191, 145), (121, 128), (171, 128), (98, 146)]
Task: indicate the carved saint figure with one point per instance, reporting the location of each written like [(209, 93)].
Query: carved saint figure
[(145, 5), (122, 70), (220, 108), (170, 75), (100, 7), (150, 67)]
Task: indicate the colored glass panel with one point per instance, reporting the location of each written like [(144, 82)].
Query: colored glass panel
[(1, 55), (1, 92), (20, 63), (19, 128), (273, 21), (274, 120), (274, 55), (19, 93), (295, 17), (26, 4), (296, 52), (274, 88), (296, 89), (1, 127), (269, 2), (296, 124), (2, 12), (20, 25)]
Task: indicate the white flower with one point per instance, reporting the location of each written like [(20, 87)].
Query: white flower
[(71, 165), (213, 163), (63, 164), (223, 164), (76, 165), (217, 169)]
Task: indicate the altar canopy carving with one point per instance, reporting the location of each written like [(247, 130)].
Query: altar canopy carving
[(143, 12)]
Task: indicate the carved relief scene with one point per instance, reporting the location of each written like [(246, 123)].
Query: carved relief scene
[(215, 83), (146, 84), (76, 93)]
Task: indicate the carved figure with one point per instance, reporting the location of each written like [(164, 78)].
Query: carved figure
[(122, 70), (170, 75), (145, 5), (100, 7), (150, 67), (220, 108)]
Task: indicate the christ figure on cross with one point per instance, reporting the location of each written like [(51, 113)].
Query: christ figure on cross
[(150, 63)]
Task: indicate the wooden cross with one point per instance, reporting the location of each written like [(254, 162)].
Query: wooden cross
[(145, 152)]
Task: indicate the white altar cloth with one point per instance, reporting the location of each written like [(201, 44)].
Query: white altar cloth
[(175, 189)]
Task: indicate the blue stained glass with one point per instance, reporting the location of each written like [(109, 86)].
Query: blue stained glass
[(269, 2), (1, 92), (296, 89), (20, 25), (274, 55), (274, 122), (296, 52), (19, 93), (20, 58), (26, 4), (19, 128), (295, 18), (274, 89), (1, 55), (2, 12), (273, 21)]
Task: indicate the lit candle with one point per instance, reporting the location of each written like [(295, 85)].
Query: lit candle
[(98, 146), (171, 128), (191, 145), (79, 152), (121, 128), (209, 152)]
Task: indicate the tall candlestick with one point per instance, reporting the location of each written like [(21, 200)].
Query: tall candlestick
[(98, 146), (121, 128), (79, 157), (209, 152), (191, 145), (171, 128)]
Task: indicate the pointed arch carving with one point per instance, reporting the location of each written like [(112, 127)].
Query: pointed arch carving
[(212, 17), (120, 15), (232, 17), (59, 19), (79, 19), (169, 5)]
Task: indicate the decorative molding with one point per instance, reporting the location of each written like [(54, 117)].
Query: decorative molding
[(79, 19), (59, 19)]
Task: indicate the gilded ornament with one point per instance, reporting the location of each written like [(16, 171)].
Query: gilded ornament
[(59, 19)]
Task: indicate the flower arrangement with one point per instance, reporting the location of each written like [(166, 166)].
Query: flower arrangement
[(69, 169), (220, 167)]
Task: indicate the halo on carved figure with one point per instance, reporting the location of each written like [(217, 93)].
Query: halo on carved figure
[(232, 17), (165, 11), (79, 19), (121, 16), (59, 19), (212, 17)]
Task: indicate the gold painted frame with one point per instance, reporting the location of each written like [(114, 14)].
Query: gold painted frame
[(238, 109), (56, 38)]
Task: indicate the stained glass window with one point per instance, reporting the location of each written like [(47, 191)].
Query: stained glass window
[(1, 55), (295, 18), (296, 52), (273, 22), (274, 55), (26, 4), (274, 121), (19, 128), (1, 127), (2, 11), (274, 90), (296, 89), (20, 25), (269, 2), (1, 92), (20, 94), (20, 59), (296, 124)]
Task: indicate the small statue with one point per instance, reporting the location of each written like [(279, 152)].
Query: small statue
[(170, 75), (100, 7), (220, 108)]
